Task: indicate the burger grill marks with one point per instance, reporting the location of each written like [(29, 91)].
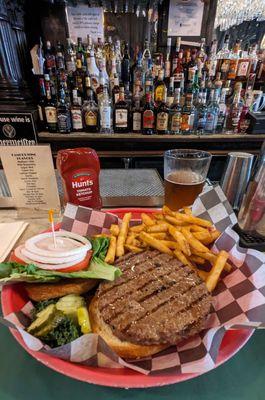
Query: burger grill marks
[(156, 300)]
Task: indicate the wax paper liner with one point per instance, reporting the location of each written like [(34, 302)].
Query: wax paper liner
[(239, 299)]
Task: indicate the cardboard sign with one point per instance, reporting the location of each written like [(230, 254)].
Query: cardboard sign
[(17, 129), (185, 17), (84, 20), (31, 177)]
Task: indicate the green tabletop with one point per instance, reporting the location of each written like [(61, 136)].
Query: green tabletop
[(24, 378)]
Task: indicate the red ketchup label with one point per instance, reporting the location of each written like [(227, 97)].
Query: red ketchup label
[(79, 169)]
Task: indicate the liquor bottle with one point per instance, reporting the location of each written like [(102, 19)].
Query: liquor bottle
[(105, 112), (243, 66), (80, 53), (223, 57), (76, 112), (178, 71), (212, 112), (113, 71), (50, 107), (78, 76), (50, 63), (188, 114), (136, 115), (149, 82), (70, 57), (102, 84), (160, 89), (117, 49), (201, 114), (168, 60), (201, 55), (157, 64), (170, 92), (176, 54), (99, 52), (234, 58), (147, 58), (88, 88), (148, 116), (175, 114), (63, 114), (103, 71), (90, 112), (211, 62), (116, 90), (93, 69), (59, 57), (41, 103), (234, 112), (138, 75), (125, 65), (191, 68), (222, 112), (121, 114), (162, 118), (218, 83)]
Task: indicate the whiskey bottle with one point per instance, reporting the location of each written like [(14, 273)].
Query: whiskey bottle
[(76, 113), (70, 57), (50, 64), (162, 117), (125, 65), (160, 89), (50, 107), (175, 114), (79, 77), (188, 113), (170, 92), (116, 90), (148, 116), (63, 114), (136, 115), (105, 112), (90, 111), (121, 114)]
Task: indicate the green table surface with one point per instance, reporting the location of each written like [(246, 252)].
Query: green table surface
[(24, 378)]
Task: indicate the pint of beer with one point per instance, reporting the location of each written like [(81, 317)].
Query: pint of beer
[(185, 172)]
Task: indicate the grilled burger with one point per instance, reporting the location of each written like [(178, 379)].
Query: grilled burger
[(157, 302)]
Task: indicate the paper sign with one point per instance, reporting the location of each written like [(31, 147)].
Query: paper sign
[(84, 20), (185, 17), (31, 177)]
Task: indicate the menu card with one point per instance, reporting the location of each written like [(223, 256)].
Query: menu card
[(185, 17), (84, 20), (31, 177)]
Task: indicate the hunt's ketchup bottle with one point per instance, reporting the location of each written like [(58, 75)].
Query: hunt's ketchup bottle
[(79, 169)]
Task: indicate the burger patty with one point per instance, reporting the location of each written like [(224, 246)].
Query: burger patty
[(156, 300)]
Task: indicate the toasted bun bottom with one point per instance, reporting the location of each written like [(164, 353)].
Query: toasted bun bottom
[(122, 348), (46, 291)]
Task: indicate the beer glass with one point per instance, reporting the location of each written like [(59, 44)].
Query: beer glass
[(185, 172)]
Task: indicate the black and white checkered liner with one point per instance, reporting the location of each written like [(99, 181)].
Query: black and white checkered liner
[(239, 299)]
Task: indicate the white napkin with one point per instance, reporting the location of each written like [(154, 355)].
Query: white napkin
[(9, 235)]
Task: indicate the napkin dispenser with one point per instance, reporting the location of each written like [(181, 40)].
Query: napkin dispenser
[(257, 122)]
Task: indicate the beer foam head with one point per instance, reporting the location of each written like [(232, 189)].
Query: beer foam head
[(185, 177)]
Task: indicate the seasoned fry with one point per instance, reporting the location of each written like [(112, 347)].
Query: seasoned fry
[(171, 244), (182, 242), (110, 256), (212, 258), (147, 220), (132, 248), (157, 228), (203, 236), (159, 235), (192, 220), (138, 243), (202, 274), (158, 216), (114, 230), (193, 242), (156, 244), (196, 228), (166, 210), (215, 272), (187, 210), (130, 238), (197, 259), (180, 256), (123, 234), (175, 221), (137, 228)]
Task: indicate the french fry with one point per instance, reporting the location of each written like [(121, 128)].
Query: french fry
[(181, 240), (114, 230), (175, 221), (132, 248), (202, 274), (138, 243), (203, 236), (155, 243), (130, 238), (182, 258), (147, 220), (110, 256), (193, 242), (159, 235), (212, 257), (197, 259), (137, 228), (190, 219), (187, 210), (123, 234), (158, 216), (170, 244), (157, 228), (166, 210), (196, 228), (216, 270)]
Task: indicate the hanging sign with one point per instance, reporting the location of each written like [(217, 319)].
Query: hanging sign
[(185, 17), (84, 20)]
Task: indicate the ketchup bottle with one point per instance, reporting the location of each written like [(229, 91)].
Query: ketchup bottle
[(79, 169)]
